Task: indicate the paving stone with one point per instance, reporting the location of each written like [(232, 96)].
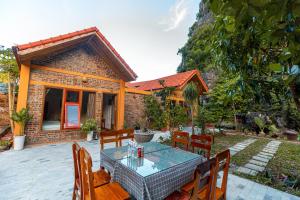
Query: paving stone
[(267, 154), (260, 159), (264, 156), (255, 167), (259, 163), (244, 170)]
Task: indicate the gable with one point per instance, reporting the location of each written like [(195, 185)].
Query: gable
[(80, 59), (90, 37)]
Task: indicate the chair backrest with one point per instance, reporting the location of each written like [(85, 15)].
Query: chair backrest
[(108, 137), (125, 134), (202, 181), (202, 142), (88, 191), (222, 164), (181, 137), (75, 150)]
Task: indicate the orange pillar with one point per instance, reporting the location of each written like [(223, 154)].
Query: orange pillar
[(23, 91), (121, 105)]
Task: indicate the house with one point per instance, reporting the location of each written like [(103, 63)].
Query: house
[(178, 81), (67, 79)]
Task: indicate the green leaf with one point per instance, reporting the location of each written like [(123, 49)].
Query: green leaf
[(276, 67)]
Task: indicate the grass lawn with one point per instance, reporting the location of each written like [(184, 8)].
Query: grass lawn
[(285, 163), (223, 142), (242, 157)]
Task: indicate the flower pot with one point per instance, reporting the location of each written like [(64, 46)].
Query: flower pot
[(19, 142), (291, 134), (89, 136), (142, 137)]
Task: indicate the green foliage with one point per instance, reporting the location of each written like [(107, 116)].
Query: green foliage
[(22, 117), (258, 40), (89, 125), (4, 143), (178, 116), (196, 52), (154, 113), (8, 64), (259, 122), (165, 93), (191, 93)]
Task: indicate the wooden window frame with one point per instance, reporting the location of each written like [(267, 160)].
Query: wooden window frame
[(64, 98)]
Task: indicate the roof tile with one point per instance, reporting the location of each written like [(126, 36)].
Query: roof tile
[(73, 34), (175, 80)]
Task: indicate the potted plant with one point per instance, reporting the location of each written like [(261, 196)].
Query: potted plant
[(21, 118), (89, 126)]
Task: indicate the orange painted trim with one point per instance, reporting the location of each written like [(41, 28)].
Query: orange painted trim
[(121, 106), (176, 98), (67, 126), (137, 91), (23, 91), (57, 85), (50, 69), (200, 79)]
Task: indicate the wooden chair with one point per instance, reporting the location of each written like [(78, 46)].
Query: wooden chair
[(212, 192), (203, 182), (181, 137), (202, 142), (112, 191), (100, 177), (222, 164), (108, 137), (125, 134)]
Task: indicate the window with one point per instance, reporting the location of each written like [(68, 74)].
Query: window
[(65, 109), (52, 109)]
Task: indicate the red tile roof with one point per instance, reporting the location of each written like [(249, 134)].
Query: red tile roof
[(176, 80), (74, 34)]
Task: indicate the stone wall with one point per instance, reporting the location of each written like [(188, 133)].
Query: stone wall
[(77, 60), (134, 108)]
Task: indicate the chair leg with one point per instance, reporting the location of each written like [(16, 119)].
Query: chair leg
[(74, 192)]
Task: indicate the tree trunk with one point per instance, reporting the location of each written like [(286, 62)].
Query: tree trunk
[(235, 120), (192, 112), (295, 96), (11, 102)]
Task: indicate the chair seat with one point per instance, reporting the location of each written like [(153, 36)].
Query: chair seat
[(101, 177), (112, 191), (178, 196), (202, 194), (188, 187)]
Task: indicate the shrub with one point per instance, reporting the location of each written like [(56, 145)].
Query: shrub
[(154, 113), (89, 125)]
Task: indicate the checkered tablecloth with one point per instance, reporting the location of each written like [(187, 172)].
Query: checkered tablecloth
[(153, 187)]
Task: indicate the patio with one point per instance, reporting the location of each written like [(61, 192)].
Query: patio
[(46, 172)]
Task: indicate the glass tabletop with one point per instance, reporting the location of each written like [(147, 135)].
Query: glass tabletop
[(158, 161), (121, 152)]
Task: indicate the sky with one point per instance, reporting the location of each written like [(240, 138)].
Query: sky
[(146, 33)]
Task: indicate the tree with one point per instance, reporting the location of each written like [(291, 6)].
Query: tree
[(9, 72), (260, 41), (191, 95)]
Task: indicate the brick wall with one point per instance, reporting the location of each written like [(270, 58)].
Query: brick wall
[(79, 60), (134, 108)]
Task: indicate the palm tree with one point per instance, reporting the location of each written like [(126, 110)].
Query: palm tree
[(191, 94)]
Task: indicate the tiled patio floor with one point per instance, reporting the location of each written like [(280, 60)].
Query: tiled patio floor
[(46, 172)]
